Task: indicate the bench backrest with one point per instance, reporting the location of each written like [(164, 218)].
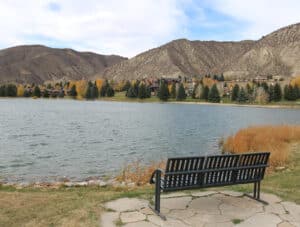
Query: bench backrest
[(217, 170)]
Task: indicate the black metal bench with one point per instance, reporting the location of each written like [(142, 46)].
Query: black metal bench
[(185, 173)]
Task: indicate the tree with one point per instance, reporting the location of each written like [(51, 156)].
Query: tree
[(173, 90), (130, 93), (204, 93), (126, 86), (242, 96), (110, 91), (222, 77), (142, 91), (265, 86), (95, 91), (37, 92), (73, 92), (290, 93), (2, 90), (213, 95), (163, 91), (261, 96), (46, 94), (271, 93), (277, 93), (235, 92), (20, 90), (89, 91), (181, 95)]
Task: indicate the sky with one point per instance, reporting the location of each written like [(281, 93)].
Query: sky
[(129, 27)]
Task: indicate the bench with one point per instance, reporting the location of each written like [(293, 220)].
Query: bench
[(184, 173)]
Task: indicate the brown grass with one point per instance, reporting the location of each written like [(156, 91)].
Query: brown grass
[(139, 173), (276, 139)]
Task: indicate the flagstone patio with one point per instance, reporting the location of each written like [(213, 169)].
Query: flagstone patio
[(203, 209)]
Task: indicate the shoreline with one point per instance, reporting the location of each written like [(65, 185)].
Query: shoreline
[(296, 105)]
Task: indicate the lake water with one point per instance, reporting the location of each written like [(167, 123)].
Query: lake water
[(43, 140)]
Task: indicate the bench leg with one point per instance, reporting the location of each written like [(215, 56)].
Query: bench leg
[(156, 208), (256, 193)]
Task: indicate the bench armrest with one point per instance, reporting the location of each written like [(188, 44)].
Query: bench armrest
[(159, 171)]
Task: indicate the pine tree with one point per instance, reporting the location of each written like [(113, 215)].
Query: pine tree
[(142, 91), (130, 93), (103, 89), (277, 93), (271, 93), (148, 92), (73, 92), (126, 86), (173, 90), (46, 94), (213, 95), (95, 91), (89, 91), (2, 90), (235, 93), (181, 95), (37, 92), (11, 90), (222, 77), (110, 92), (265, 86), (242, 96), (163, 91), (204, 93)]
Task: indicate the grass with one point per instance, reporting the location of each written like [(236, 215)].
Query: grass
[(236, 221), (79, 206), (276, 139)]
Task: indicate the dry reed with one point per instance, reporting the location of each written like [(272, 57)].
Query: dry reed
[(138, 173), (275, 139)]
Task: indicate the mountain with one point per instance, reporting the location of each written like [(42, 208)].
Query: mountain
[(37, 64), (276, 54)]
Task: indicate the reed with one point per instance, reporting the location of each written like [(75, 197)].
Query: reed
[(275, 139), (138, 173)]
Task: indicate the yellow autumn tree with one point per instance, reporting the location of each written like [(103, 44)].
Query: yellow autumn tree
[(99, 83), (81, 86), (208, 82), (20, 90), (296, 81)]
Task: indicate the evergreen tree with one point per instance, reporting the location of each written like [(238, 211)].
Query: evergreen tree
[(11, 90), (181, 95), (95, 91), (110, 91), (242, 96), (277, 93), (126, 86), (37, 92), (163, 91), (73, 92), (213, 95), (204, 93), (89, 91), (103, 89), (61, 94), (235, 92), (290, 93), (265, 86), (173, 90), (46, 94), (2, 90), (130, 93), (148, 92), (249, 89), (222, 77), (271, 93), (142, 91), (27, 93), (296, 92)]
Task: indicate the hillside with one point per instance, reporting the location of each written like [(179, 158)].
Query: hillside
[(37, 64), (275, 54)]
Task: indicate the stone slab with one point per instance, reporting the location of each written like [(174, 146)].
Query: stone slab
[(133, 216), (176, 203), (126, 204), (108, 219)]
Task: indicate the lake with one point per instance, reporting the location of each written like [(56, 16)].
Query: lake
[(43, 140)]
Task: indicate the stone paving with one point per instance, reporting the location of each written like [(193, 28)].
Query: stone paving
[(203, 209)]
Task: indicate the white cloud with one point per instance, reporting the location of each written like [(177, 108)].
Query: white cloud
[(104, 26), (260, 16)]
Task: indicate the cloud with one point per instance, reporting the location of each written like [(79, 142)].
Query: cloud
[(104, 26), (259, 17), (129, 27)]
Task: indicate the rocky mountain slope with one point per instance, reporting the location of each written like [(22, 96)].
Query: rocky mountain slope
[(276, 54), (37, 64)]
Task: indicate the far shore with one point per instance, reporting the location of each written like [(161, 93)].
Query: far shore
[(279, 105)]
